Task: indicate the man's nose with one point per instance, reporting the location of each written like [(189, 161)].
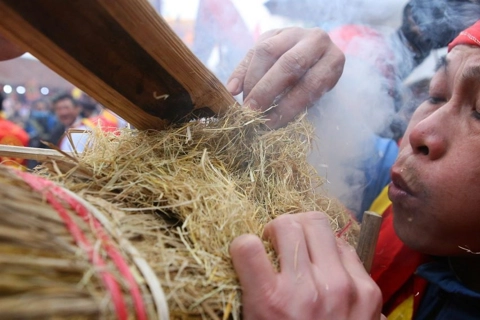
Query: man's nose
[(427, 138)]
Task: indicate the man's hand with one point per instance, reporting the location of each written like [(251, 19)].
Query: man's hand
[(291, 68), (321, 276)]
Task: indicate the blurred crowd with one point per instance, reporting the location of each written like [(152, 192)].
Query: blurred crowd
[(57, 121)]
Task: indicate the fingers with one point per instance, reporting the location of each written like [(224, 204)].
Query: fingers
[(350, 259), (371, 293), (280, 61), (319, 79), (277, 63), (288, 241), (334, 285), (289, 68), (251, 262), (335, 264), (235, 84), (321, 242)]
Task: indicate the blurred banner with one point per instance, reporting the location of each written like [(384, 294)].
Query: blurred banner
[(220, 27)]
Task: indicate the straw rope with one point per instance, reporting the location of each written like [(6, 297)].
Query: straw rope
[(99, 224), (149, 276)]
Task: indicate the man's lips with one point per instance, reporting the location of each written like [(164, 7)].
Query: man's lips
[(398, 183)]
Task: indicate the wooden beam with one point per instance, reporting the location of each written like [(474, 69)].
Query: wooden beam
[(121, 52)]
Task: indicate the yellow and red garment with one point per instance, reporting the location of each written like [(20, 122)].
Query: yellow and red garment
[(394, 267), (106, 121)]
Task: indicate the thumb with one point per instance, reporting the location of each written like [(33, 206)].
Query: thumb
[(251, 262)]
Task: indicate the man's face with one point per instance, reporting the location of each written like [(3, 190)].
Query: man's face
[(435, 186), (66, 111)]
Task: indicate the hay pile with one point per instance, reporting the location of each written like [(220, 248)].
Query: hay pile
[(186, 192)]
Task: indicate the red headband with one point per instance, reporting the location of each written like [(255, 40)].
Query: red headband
[(470, 36)]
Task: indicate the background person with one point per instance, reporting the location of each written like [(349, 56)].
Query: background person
[(39, 126), (68, 111)]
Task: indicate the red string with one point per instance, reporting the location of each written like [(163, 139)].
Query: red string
[(111, 250), (50, 190), (345, 228)]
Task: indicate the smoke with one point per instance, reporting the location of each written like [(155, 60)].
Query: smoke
[(326, 14), (347, 121), (366, 103), (350, 119), (438, 22)]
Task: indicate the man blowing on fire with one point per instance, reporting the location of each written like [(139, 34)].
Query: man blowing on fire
[(434, 193)]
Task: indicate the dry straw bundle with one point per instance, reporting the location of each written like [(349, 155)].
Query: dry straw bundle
[(62, 258), (181, 195)]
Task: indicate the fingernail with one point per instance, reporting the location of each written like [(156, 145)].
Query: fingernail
[(233, 86), (272, 121), (252, 104)]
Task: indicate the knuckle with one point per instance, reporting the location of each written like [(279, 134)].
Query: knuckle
[(338, 60), (249, 83), (311, 90), (296, 63), (269, 34), (265, 48), (369, 294), (346, 289), (310, 302), (372, 291), (295, 28), (260, 92), (319, 35), (276, 300), (285, 304)]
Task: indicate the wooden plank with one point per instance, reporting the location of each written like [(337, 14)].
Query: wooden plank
[(204, 88), (121, 52)]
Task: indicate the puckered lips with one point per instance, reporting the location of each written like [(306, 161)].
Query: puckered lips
[(399, 189)]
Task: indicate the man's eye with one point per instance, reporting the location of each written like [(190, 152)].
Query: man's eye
[(476, 114), (436, 100)]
